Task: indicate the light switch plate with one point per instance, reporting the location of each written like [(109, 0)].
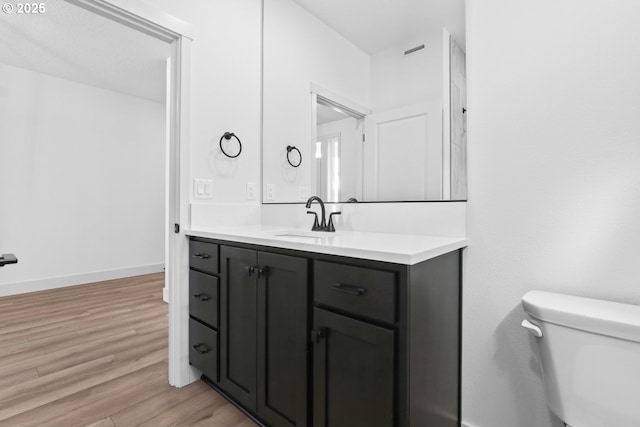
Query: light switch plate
[(202, 188)]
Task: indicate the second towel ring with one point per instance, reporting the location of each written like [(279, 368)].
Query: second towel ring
[(227, 136), (290, 148)]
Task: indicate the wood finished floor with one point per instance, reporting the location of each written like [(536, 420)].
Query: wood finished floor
[(96, 355)]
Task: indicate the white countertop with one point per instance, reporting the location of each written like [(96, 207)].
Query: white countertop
[(396, 248)]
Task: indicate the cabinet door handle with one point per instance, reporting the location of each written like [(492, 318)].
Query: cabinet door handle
[(351, 290), (317, 335), (250, 269), (201, 297), (263, 271), (201, 256), (201, 348)]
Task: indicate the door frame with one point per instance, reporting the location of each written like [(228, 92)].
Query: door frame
[(150, 20), (350, 107)]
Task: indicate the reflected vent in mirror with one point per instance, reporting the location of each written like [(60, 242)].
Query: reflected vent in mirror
[(415, 49)]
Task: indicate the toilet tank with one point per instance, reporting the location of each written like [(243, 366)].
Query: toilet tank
[(590, 356)]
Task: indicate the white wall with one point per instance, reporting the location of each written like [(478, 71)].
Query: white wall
[(300, 50), (554, 183), (225, 91), (419, 218), (81, 182)]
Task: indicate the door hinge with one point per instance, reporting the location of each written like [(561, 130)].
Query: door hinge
[(363, 137), (176, 228)]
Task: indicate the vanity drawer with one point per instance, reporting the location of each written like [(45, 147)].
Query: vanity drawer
[(358, 290), (203, 256), (203, 297), (203, 349)]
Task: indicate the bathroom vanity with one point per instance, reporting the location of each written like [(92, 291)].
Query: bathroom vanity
[(328, 329)]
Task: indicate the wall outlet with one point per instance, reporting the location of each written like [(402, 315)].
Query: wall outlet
[(202, 188), (271, 192), (251, 190)]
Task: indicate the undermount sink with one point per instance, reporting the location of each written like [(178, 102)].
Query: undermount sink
[(306, 235), (297, 235)]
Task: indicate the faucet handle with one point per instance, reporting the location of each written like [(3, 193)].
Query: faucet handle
[(316, 225), (330, 226)]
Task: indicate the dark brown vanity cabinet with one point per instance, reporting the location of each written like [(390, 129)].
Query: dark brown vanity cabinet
[(354, 345), (264, 334), (204, 308), (386, 343), (306, 339)]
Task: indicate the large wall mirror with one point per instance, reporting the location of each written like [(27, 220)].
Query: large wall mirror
[(364, 100)]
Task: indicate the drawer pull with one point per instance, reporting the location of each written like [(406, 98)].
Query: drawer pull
[(201, 297), (201, 256), (201, 348), (351, 290)]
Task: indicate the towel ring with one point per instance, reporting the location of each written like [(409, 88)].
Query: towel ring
[(227, 136), (290, 148)]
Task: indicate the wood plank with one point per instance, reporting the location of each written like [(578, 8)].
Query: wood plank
[(119, 370), (46, 300), (161, 402), (228, 416), (69, 409), (28, 359), (188, 412), (12, 378), (36, 386), (95, 356), (105, 422), (100, 400), (96, 350)]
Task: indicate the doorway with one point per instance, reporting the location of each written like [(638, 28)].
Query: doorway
[(82, 141), (144, 19)]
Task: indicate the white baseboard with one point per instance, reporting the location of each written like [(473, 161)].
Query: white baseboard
[(77, 279)]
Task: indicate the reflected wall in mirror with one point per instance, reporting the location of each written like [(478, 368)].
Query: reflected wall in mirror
[(369, 91)]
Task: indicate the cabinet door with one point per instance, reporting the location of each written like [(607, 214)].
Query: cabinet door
[(282, 340), (238, 295), (353, 371)]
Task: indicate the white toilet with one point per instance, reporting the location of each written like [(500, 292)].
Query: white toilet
[(590, 354)]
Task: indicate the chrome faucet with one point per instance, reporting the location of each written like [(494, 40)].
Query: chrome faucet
[(322, 224)]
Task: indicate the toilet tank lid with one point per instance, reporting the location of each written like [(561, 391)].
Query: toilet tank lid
[(588, 314)]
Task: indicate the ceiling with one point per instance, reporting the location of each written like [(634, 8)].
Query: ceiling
[(74, 44), (374, 25)]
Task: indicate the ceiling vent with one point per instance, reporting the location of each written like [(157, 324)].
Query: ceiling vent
[(415, 49)]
